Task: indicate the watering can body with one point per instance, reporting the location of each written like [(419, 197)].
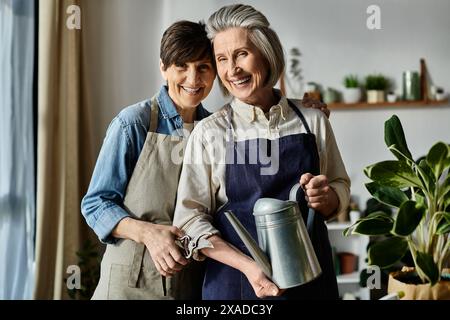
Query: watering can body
[(285, 252)]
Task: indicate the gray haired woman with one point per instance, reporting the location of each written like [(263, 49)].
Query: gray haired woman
[(250, 60)]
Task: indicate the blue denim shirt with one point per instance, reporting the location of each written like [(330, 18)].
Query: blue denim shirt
[(102, 206)]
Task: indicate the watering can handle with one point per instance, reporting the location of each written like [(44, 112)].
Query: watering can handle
[(311, 212), (293, 193)]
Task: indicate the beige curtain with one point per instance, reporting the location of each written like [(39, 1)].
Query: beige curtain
[(64, 155)]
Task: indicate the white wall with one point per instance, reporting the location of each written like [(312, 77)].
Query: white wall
[(123, 49)]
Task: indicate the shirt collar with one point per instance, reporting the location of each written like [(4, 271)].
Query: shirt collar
[(250, 113), (168, 109)]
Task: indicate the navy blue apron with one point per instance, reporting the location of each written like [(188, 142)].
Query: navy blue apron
[(244, 186)]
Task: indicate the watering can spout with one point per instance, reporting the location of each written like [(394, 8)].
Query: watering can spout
[(256, 252)]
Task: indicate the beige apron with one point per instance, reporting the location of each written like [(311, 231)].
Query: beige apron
[(127, 270)]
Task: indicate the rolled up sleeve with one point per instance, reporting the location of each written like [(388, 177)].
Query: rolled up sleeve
[(196, 193)]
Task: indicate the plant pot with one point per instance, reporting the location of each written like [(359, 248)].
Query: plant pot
[(440, 291), (347, 261), (352, 95), (375, 96), (440, 96), (391, 97)]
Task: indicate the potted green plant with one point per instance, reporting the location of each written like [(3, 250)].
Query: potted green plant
[(391, 97), (376, 85), (352, 91), (420, 194), (440, 94)]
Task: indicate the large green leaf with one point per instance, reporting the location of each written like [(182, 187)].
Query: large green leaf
[(426, 263), (396, 174), (394, 135), (387, 252), (446, 162), (427, 175), (436, 158), (387, 195), (443, 226), (409, 216), (374, 227), (378, 215)]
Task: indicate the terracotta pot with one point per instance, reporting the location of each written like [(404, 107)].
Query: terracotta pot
[(440, 291), (347, 261)]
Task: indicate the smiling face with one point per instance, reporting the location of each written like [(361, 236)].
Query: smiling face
[(241, 66), (190, 82)]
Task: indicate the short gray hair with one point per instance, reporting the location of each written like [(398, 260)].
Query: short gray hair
[(259, 31)]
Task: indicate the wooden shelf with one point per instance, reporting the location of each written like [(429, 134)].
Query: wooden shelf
[(398, 104)]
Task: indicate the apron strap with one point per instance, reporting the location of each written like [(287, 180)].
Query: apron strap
[(154, 111), (136, 268), (229, 142), (300, 115), (311, 212), (138, 257)]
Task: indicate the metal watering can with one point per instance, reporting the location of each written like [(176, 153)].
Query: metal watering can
[(285, 252)]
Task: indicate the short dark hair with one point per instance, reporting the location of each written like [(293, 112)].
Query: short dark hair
[(185, 41)]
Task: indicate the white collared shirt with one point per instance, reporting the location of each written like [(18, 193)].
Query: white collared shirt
[(202, 187)]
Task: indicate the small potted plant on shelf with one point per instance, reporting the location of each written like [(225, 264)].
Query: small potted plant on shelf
[(352, 91), (419, 191), (440, 94), (391, 97), (375, 86)]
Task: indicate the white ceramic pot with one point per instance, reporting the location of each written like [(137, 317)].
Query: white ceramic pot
[(375, 96), (391, 97), (440, 96), (352, 95)]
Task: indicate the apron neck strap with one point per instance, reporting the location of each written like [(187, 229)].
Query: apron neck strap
[(300, 115), (154, 112)]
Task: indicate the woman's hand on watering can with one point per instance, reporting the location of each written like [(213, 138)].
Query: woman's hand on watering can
[(320, 196), (262, 285)]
